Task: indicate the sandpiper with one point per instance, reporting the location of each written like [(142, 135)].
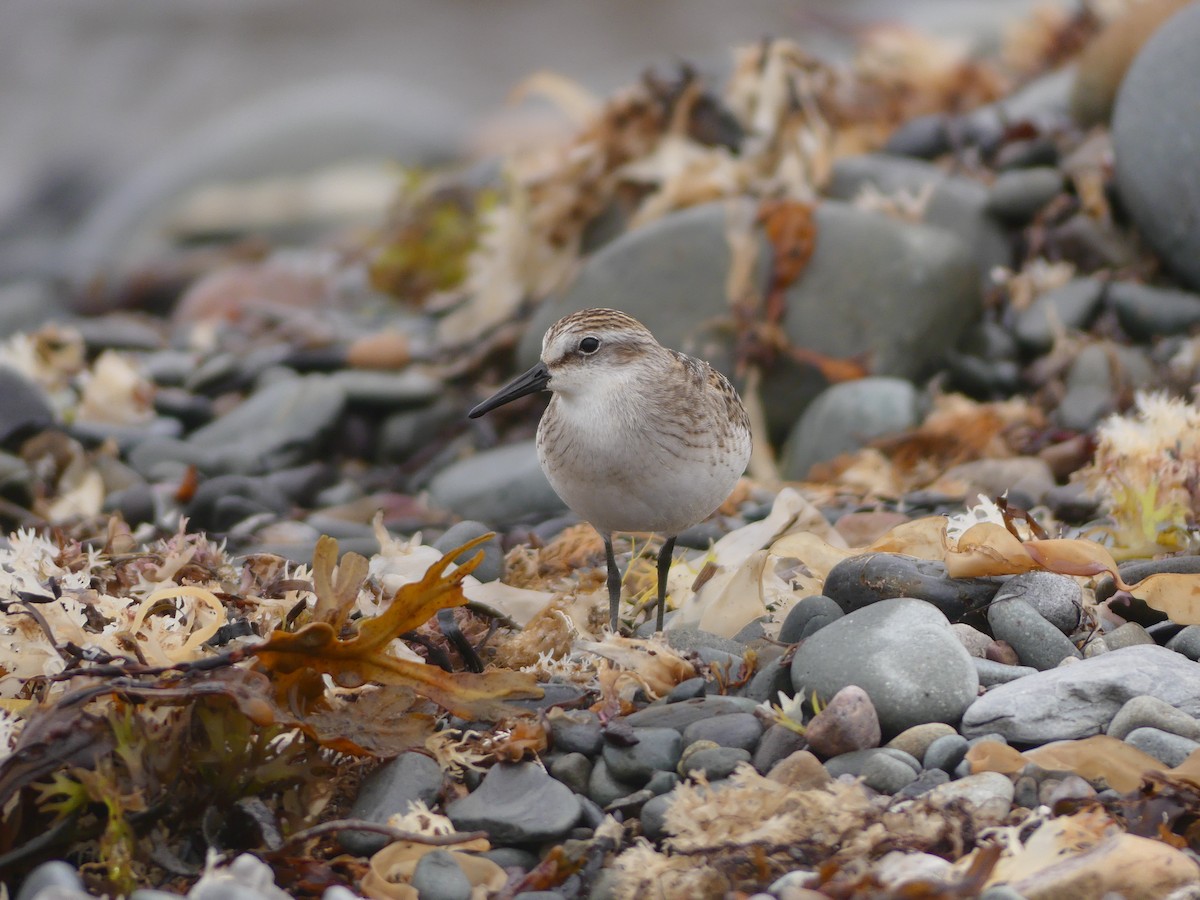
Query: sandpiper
[(637, 437)]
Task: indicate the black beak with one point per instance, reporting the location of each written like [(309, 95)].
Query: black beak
[(531, 382)]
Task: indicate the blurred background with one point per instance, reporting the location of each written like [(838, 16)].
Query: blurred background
[(109, 106)]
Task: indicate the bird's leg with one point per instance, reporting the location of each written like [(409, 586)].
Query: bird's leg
[(664, 566), (614, 583)]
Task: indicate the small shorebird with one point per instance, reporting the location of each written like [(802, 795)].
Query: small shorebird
[(637, 437)]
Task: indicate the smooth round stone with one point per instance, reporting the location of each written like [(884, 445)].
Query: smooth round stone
[(410, 777), (680, 715), (499, 486), (1057, 598), (863, 580), (807, 616), (687, 639), (800, 771), (517, 803), (854, 762), (662, 783), (1080, 700), (574, 770), (992, 673), (404, 433), (688, 690), (902, 653), (387, 390), (768, 682), (886, 774), (576, 731), (24, 410), (715, 762), (1096, 376), (1147, 312), (846, 417), (1170, 749), (492, 566), (924, 137), (1187, 642), (1155, 121), (741, 730), (1130, 634), (438, 876), (776, 743), (1053, 791), (511, 857), (223, 501), (1016, 196), (1071, 306), (974, 640), (847, 723), (946, 752), (1037, 642), (656, 750), (654, 815), (1027, 476), (1002, 652), (916, 741)]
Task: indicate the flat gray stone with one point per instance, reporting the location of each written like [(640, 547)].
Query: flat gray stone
[(499, 486), (991, 672), (438, 876), (1152, 713), (517, 803), (1081, 699), (656, 750), (492, 566), (946, 752), (715, 762), (734, 730), (808, 615), (902, 653), (1070, 307), (1057, 598), (887, 774), (680, 715), (388, 791), (1147, 312), (1015, 197), (24, 410)]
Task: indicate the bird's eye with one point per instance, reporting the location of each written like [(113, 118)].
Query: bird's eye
[(589, 345)]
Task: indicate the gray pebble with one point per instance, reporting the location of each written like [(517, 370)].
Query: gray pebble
[(511, 857), (517, 803), (1187, 642), (654, 815), (923, 784), (438, 876), (946, 752), (1147, 312), (680, 715), (1057, 598), (574, 770), (656, 750), (993, 673), (715, 762), (807, 616), (1038, 643), (1071, 306), (1154, 713), (887, 774), (1128, 635), (499, 486), (662, 782), (491, 568), (1016, 196), (603, 788), (776, 743), (688, 689), (576, 731), (1169, 749), (735, 730), (768, 682), (854, 763), (387, 791)]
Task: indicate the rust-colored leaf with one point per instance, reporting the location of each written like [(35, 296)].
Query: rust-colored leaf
[(1072, 556), (363, 658), (987, 549)]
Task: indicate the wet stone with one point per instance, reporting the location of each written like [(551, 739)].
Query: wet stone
[(807, 616), (438, 876), (1017, 195), (517, 804), (604, 788), (680, 715), (741, 730), (1071, 306), (654, 815), (1038, 642), (24, 410), (862, 580), (656, 750)]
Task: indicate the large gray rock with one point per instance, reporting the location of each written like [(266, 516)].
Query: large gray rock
[(1156, 140), (895, 292), (902, 652), (1080, 699), (498, 486), (847, 416), (957, 204), (388, 791), (24, 410)]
